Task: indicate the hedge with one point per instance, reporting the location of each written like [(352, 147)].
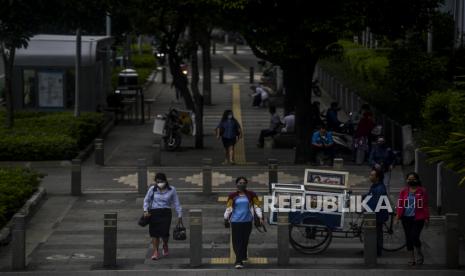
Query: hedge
[(16, 186), (48, 136)]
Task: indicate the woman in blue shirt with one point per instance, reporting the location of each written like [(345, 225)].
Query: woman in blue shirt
[(241, 208), (157, 205), (229, 130)]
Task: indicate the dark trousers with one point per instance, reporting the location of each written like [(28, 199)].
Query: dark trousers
[(379, 238), (265, 133), (240, 239), (412, 229), (257, 100), (327, 151)]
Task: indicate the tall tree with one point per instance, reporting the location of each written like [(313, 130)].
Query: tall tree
[(296, 33)]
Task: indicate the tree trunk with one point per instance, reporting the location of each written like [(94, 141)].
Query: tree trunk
[(303, 95), (8, 63), (198, 99), (290, 81), (206, 68)]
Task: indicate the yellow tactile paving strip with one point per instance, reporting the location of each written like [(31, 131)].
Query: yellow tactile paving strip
[(236, 107)]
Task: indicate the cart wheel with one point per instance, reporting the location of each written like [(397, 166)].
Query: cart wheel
[(309, 235), (393, 236)]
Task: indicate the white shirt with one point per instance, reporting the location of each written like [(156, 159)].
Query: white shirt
[(289, 123)]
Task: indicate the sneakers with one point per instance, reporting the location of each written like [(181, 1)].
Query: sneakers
[(165, 250), (155, 255), (239, 265)]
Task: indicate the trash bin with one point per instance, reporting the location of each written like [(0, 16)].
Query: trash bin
[(128, 77)]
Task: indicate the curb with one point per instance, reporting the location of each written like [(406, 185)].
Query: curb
[(28, 209)]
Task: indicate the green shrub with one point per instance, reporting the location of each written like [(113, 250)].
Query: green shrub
[(16, 186), (146, 48), (48, 136), (143, 61)]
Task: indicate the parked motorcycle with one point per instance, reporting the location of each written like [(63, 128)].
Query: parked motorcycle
[(343, 137), (171, 132)]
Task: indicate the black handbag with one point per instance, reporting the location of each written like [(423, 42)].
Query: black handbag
[(144, 221), (179, 232)]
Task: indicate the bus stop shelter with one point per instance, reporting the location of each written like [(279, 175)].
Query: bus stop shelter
[(44, 73)]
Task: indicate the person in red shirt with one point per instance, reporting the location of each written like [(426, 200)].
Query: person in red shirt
[(413, 211)]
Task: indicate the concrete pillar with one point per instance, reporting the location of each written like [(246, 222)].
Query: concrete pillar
[(99, 152), (452, 241), (338, 163), (439, 168), (109, 239), (369, 239), (251, 75), (142, 176), (408, 153), (235, 49), (267, 148), (283, 238), (195, 248), (156, 154), (18, 242), (207, 176), (76, 177), (220, 77), (272, 172), (163, 75), (417, 158)]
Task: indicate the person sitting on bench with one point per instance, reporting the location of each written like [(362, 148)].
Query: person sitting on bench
[(289, 123), (275, 124), (322, 142)]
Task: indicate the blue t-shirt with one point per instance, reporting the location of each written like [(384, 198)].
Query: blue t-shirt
[(319, 140), (241, 211), (230, 128), (410, 208)]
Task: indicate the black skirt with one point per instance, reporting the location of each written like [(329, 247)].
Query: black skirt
[(160, 221)]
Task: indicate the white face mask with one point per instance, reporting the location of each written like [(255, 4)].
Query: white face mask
[(161, 185), (230, 116)]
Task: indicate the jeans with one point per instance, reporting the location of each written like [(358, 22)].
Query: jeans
[(240, 239), (412, 229)]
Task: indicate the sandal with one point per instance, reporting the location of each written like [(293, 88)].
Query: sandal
[(420, 259), (411, 263)]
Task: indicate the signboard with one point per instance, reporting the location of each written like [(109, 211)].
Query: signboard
[(51, 88), (326, 179)]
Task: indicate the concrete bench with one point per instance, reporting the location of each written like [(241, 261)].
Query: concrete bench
[(284, 140)]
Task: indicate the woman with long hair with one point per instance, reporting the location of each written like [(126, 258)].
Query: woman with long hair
[(229, 131)]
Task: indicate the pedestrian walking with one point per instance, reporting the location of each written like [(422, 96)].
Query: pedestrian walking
[(229, 131), (275, 124), (382, 157), (157, 205), (377, 190), (413, 211), (242, 207)]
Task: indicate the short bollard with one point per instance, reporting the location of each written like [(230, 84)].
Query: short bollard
[(272, 172), (99, 152), (214, 48), (18, 243), (207, 176), (142, 176), (220, 76), (76, 177), (338, 163), (369, 239), (195, 237), (251, 75), (235, 49), (109, 239), (163, 75), (156, 155), (267, 148), (283, 238), (452, 241)]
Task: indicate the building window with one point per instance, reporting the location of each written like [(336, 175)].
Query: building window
[(51, 89)]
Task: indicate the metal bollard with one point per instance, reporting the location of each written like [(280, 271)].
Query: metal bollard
[(235, 49), (109, 239), (251, 75), (142, 176), (338, 163), (452, 241), (283, 238), (163, 75), (272, 172), (76, 177), (267, 148), (18, 243), (195, 240), (207, 176), (369, 239), (156, 157), (214, 48), (99, 152), (220, 77)]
